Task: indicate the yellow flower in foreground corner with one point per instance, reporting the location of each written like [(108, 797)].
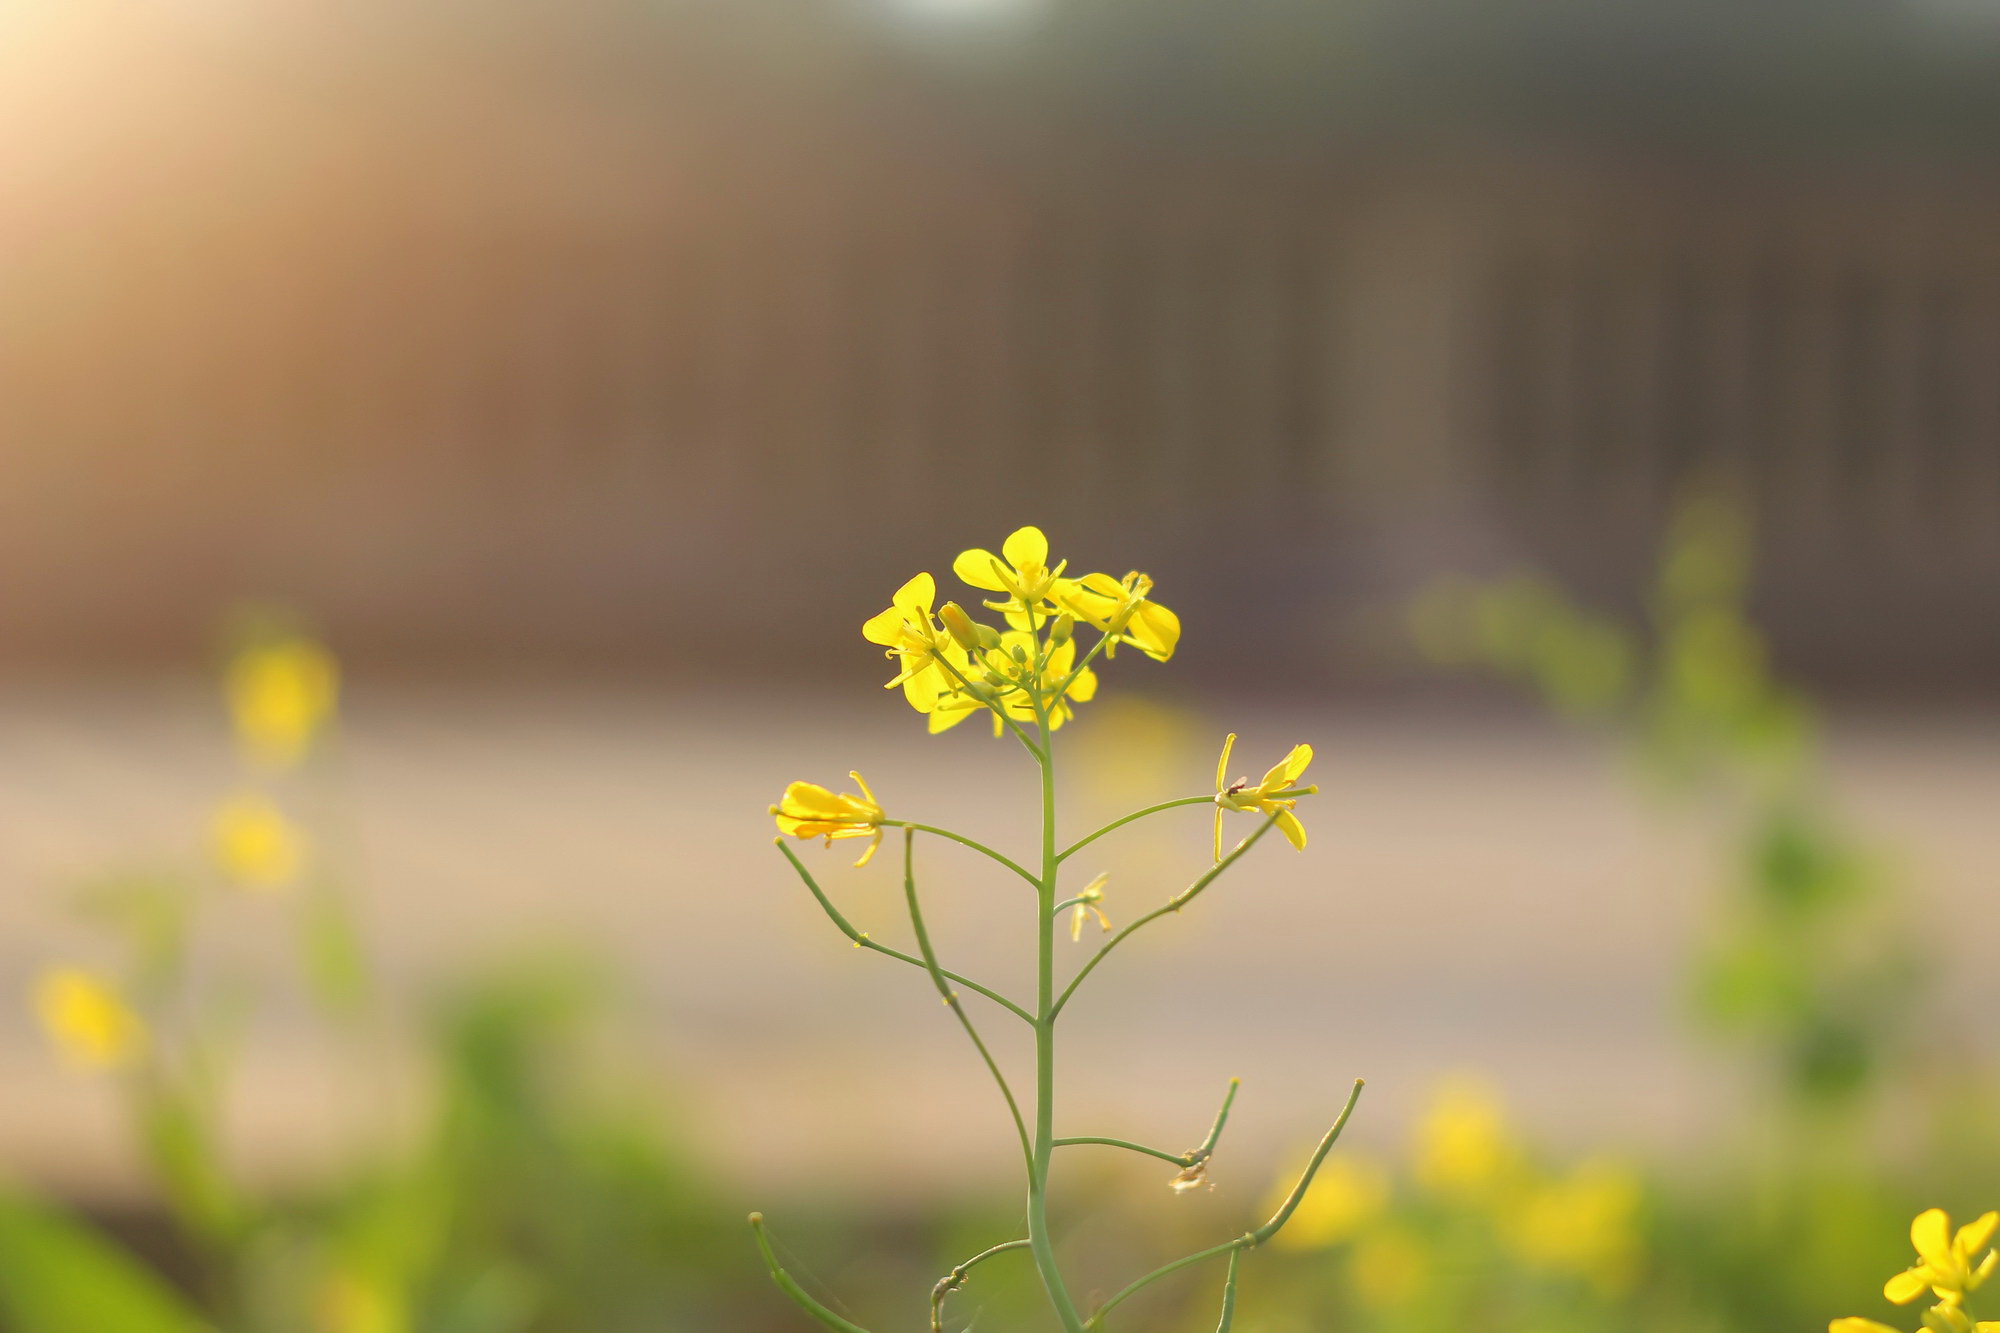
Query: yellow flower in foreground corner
[(1952, 1266), (1021, 570), (280, 695), (910, 633), (811, 811), (1275, 795), (255, 845), (86, 1018), (1122, 610)]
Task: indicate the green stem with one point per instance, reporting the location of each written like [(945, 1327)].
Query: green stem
[(1229, 1294), (1045, 1049), (955, 1279), (1117, 824), (951, 996), (1207, 1148), (964, 841), (1174, 904), (1250, 1239), (791, 1288), (861, 940), (1178, 1159)]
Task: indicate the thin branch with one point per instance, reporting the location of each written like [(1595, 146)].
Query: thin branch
[(962, 840), (1178, 1159), (997, 709), (1187, 1160), (1178, 901), (861, 940), (788, 1285), (955, 1279), (1207, 1148), (1229, 1294), (1116, 824), (951, 996), (1250, 1239)]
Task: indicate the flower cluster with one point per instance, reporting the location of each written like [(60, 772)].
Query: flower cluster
[(1029, 674), (1950, 1267)]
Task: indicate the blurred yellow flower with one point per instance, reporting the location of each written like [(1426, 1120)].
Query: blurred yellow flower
[(1464, 1145), (1274, 795), (87, 1020), (255, 845), (1348, 1193), (1952, 1266), (280, 695), (1387, 1268), (1585, 1223), (1021, 571), (811, 811), (929, 661), (352, 1304), (1122, 610), (1086, 906)]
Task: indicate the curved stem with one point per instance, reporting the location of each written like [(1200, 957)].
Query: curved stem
[(791, 1288), (955, 1279), (1116, 824), (951, 996), (964, 841), (1229, 1294), (1250, 1239), (1178, 901), (861, 941), (1178, 1159), (1207, 1148)]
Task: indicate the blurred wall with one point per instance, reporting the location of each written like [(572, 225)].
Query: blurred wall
[(669, 338)]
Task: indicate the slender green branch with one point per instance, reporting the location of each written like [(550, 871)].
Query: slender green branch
[(791, 1288), (1178, 1159), (1229, 1294), (1250, 1239), (1174, 904), (861, 940), (951, 996), (997, 711), (955, 1279), (1207, 1148), (964, 841), (1116, 824)]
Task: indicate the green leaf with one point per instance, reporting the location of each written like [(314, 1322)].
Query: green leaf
[(59, 1276)]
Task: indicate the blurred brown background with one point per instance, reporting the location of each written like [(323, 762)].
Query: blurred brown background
[(588, 371)]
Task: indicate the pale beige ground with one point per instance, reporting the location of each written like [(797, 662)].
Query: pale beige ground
[(1480, 893)]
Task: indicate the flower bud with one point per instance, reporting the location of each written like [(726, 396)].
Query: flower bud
[(989, 638), (1064, 626), (960, 626)]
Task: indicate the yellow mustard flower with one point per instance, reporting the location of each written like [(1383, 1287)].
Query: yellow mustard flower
[(281, 695), (1951, 1264), (1012, 672), (1585, 1224), (1122, 610), (1464, 1145), (1276, 794), (88, 1020), (1348, 1194), (1021, 571), (1086, 906), (925, 654), (255, 845), (811, 811)]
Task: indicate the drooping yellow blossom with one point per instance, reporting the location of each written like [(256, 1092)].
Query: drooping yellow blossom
[(1123, 610), (1387, 1268), (88, 1020), (1952, 1265), (281, 694), (1086, 906), (255, 845), (1276, 794), (926, 655), (1347, 1195), (1021, 571), (811, 811), (1585, 1223), (1463, 1144)]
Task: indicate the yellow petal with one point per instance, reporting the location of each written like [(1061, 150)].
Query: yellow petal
[(1907, 1285), (1222, 764), (1218, 835), (917, 595), (885, 627), (1931, 1234), (1154, 630), (1025, 547), (1085, 687), (88, 1020), (1854, 1325), (1294, 831), (1974, 1235), (975, 567)]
